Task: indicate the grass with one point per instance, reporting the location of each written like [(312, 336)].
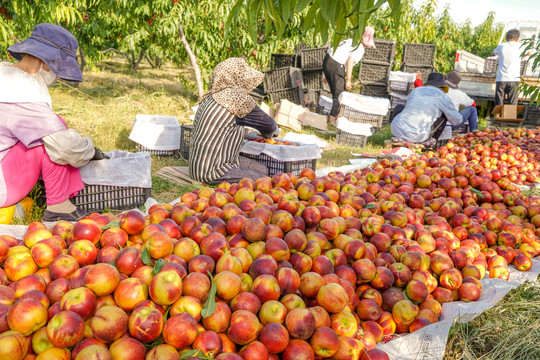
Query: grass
[(508, 331)]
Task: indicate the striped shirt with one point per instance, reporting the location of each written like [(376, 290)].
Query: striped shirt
[(216, 142)]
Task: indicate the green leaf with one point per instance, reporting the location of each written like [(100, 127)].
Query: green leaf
[(189, 353), (111, 224), (301, 5), (478, 193), (310, 17), (158, 266), (146, 259), (210, 304), (370, 206)]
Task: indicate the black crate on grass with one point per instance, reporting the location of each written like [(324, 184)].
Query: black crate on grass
[(419, 54), (531, 115), (373, 73), (258, 97), (291, 94), (360, 117), (173, 153), (313, 58), (185, 139), (424, 70), (276, 166), (99, 197), (277, 79), (282, 60), (312, 79), (311, 98), (374, 90), (345, 138), (382, 53)]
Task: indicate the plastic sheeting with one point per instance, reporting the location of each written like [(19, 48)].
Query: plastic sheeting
[(367, 104), (354, 128), (156, 132), (282, 152)]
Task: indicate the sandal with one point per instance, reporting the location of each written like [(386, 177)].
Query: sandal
[(54, 216)]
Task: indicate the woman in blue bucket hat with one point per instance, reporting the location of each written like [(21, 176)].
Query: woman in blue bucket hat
[(34, 141)]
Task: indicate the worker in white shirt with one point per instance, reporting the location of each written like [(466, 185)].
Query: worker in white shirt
[(338, 66), (461, 100), (508, 72)]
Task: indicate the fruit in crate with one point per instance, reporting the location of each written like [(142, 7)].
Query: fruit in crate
[(273, 141)]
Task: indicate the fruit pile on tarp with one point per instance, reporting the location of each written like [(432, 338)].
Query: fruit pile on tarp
[(288, 267)]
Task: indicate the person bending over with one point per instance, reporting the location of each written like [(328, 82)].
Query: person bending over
[(218, 130)]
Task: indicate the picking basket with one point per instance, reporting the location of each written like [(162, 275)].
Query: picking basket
[(282, 60), (382, 53), (185, 140), (374, 90), (277, 79), (291, 94), (99, 197), (345, 138), (424, 70), (419, 54), (313, 58), (373, 73), (356, 116), (276, 166), (312, 79)]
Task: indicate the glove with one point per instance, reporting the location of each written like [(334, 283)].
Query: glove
[(99, 155)]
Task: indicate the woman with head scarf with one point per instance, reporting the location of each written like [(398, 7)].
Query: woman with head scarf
[(34, 141), (219, 125), (338, 66)]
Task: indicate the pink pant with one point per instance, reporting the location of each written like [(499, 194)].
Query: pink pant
[(22, 167)]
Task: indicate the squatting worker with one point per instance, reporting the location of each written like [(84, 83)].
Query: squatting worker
[(338, 66), (34, 141), (508, 71), (219, 125), (424, 116)]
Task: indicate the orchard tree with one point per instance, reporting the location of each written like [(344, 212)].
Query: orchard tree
[(328, 19)]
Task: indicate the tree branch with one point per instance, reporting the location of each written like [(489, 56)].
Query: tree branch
[(116, 51), (193, 60)]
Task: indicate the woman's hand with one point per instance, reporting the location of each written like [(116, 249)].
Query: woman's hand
[(99, 155)]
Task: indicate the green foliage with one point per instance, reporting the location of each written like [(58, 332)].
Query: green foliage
[(327, 19), (531, 46)]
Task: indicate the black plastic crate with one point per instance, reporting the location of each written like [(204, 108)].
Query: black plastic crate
[(282, 60), (185, 139), (374, 90), (382, 53), (299, 47), (419, 54), (259, 98), (99, 197), (313, 58), (311, 98), (424, 70), (345, 138), (503, 124), (531, 115), (291, 94), (277, 79), (440, 143), (312, 79), (490, 66), (276, 166), (360, 117), (173, 153), (374, 73)]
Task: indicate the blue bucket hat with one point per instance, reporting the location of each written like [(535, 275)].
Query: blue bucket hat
[(56, 46)]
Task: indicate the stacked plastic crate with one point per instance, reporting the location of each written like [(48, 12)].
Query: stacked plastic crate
[(419, 57), (278, 84), (375, 68), (311, 62)]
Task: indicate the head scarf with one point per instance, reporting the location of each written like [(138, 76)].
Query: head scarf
[(230, 84)]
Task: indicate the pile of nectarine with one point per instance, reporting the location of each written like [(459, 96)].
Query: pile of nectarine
[(288, 267)]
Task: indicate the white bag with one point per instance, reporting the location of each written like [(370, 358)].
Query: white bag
[(122, 169), (156, 132)]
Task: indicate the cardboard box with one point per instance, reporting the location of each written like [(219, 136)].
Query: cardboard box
[(288, 115), (507, 112), (314, 120)]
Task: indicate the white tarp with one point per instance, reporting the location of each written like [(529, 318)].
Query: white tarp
[(354, 128), (363, 103), (282, 152), (156, 132)]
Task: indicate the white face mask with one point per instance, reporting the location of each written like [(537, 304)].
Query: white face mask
[(49, 77)]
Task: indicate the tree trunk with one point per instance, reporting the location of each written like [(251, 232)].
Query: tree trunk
[(193, 60), (82, 63), (135, 65)]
